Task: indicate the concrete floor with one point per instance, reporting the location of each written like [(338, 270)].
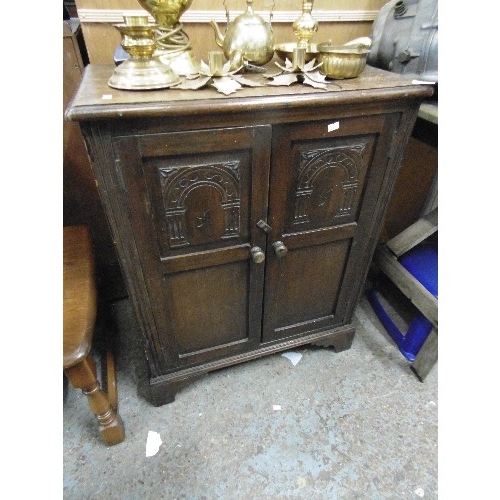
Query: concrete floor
[(352, 425)]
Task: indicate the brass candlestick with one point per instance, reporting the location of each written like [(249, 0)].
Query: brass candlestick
[(141, 70), (173, 45), (305, 26)]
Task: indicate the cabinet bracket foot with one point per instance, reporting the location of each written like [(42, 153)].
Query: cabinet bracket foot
[(163, 392), (340, 341)]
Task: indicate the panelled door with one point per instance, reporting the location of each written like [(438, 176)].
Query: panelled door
[(318, 204), (194, 198)]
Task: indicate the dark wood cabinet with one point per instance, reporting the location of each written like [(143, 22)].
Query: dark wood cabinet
[(245, 224)]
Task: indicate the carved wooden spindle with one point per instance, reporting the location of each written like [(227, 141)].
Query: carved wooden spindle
[(84, 376)]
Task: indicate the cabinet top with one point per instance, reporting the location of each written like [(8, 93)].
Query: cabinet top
[(95, 100)]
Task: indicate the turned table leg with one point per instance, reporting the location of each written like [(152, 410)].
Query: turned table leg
[(83, 376)]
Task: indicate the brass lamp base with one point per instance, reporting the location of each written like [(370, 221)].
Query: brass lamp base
[(182, 63), (173, 46), (143, 74)]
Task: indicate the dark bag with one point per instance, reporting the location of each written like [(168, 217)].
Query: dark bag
[(405, 39)]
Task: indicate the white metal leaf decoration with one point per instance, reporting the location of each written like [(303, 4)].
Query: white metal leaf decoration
[(205, 69), (308, 67), (315, 79), (284, 79), (289, 74), (226, 84), (246, 81), (193, 84)]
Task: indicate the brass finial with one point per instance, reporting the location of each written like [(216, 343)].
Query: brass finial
[(305, 26)]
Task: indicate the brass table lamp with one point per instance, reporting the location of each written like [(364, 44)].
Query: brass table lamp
[(173, 45), (141, 71)]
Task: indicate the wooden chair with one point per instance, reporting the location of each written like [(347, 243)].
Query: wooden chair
[(80, 310)]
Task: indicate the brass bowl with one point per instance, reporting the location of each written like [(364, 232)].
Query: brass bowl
[(342, 61), (285, 51)]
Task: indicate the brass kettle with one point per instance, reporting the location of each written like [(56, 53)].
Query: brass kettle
[(248, 39)]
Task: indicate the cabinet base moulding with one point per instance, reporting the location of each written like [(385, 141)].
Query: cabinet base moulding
[(162, 390)]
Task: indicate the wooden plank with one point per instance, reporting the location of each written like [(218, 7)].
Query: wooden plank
[(432, 198), (427, 356), (428, 111), (425, 302), (414, 234)]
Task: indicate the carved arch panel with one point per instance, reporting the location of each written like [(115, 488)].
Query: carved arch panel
[(327, 186), (201, 202)]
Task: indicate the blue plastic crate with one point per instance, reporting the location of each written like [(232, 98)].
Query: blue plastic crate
[(422, 262)]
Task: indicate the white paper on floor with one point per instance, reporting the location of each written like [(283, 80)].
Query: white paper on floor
[(153, 443), (294, 357)]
